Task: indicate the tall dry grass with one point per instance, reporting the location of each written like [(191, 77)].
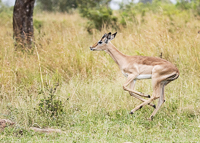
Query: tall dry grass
[(90, 83)]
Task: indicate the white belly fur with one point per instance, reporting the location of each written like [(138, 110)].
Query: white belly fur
[(144, 76), (141, 76), (125, 74)]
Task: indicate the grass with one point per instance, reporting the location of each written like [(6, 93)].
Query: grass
[(96, 109)]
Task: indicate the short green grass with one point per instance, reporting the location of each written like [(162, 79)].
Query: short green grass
[(98, 111), (96, 108)]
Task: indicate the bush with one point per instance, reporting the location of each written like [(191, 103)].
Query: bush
[(100, 17), (183, 5), (57, 5), (50, 106), (98, 13), (38, 24)]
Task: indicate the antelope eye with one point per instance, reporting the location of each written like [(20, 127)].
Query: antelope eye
[(99, 42)]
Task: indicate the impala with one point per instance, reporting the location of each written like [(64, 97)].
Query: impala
[(135, 68)]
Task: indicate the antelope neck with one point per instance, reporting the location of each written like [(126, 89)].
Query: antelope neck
[(116, 55)]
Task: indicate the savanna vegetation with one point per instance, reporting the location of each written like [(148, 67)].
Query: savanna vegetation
[(60, 83)]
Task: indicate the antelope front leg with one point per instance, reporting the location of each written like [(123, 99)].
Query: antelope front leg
[(156, 94), (132, 85), (143, 104), (129, 80)]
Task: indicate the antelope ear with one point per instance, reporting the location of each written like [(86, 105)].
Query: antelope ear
[(104, 35), (110, 37), (113, 35)]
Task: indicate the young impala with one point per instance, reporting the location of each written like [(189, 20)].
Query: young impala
[(140, 67)]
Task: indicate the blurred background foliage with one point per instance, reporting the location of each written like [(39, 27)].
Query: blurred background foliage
[(99, 14)]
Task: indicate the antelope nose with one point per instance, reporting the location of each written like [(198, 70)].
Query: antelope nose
[(91, 49)]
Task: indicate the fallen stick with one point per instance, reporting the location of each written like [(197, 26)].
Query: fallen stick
[(5, 123), (47, 130)]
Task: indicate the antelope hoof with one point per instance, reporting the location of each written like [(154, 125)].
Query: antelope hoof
[(131, 112), (149, 96), (154, 106)]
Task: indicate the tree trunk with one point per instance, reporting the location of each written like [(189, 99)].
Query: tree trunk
[(23, 23)]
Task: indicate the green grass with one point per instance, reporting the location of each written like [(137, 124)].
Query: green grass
[(96, 108), (99, 113)]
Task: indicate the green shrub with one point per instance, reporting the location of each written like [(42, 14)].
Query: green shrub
[(183, 5), (99, 17), (38, 24), (123, 21), (50, 106), (57, 5)]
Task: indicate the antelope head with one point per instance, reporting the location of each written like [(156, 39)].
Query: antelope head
[(103, 43)]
